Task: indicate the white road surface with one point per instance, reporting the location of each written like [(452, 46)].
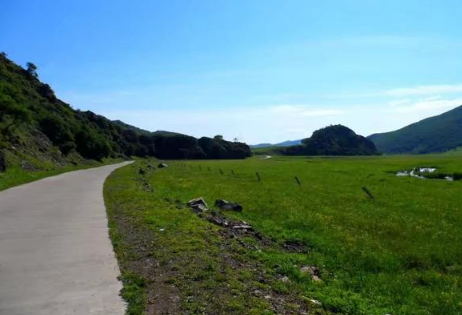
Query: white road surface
[(56, 257)]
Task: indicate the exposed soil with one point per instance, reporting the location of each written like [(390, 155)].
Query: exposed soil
[(162, 297)]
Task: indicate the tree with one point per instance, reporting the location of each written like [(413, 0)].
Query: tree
[(31, 69)]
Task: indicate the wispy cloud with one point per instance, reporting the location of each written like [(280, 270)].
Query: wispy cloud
[(278, 120), (304, 110), (424, 90), (426, 105)]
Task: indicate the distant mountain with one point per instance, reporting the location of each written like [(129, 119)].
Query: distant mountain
[(435, 134), (333, 140), (286, 143), (144, 131)]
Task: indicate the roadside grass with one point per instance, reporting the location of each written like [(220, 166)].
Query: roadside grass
[(399, 253), (15, 175)]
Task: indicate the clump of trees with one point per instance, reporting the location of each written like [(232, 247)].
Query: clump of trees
[(333, 140)]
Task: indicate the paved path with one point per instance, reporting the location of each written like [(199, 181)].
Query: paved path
[(55, 254)]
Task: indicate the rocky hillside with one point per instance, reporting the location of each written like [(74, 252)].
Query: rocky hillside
[(333, 140), (432, 135), (37, 128)]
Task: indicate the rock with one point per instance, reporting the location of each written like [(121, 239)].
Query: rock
[(219, 221), (198, 205), (150, 167), (315, 302), (226, 205), (141, 171), (257, 293), (311, 270), (162, 165), (25, 165), (242, 227)]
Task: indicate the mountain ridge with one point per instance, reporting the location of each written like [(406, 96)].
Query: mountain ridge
[(434, 134), (286, 143)]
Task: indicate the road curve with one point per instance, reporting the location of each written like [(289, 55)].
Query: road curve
[(55, 254)]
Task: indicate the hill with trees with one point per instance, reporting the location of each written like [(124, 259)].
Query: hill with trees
[(37, 126), (333, 140), (432, 135)]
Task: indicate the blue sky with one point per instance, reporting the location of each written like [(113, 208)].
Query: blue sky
[(258, 70)]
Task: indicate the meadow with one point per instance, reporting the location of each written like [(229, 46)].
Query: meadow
[(399, 252)]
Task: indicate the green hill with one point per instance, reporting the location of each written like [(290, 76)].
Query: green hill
[(37, 128), (333, 140), (432, 135)]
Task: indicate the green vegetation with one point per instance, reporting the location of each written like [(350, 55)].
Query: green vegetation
[(397, 253), (435, 134), (37, 128), (333, 140), (16, 175)]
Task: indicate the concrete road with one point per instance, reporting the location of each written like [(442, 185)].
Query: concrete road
[(55, 254)]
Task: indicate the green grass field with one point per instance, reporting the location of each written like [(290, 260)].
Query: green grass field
[(399, 253)]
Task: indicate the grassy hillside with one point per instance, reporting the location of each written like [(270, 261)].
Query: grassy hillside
[(435, 134), (37, 130), (398, 253)]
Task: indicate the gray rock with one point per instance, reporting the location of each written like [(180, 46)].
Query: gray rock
[(242, 227), (315, 302), (229, 206), (162, 165), (219, 221), (198, 205), (311, 270)]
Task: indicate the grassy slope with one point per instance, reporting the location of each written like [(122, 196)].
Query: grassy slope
[(398, 253), (435, 134)]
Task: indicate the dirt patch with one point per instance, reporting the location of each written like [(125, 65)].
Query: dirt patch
[(139, 241)]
